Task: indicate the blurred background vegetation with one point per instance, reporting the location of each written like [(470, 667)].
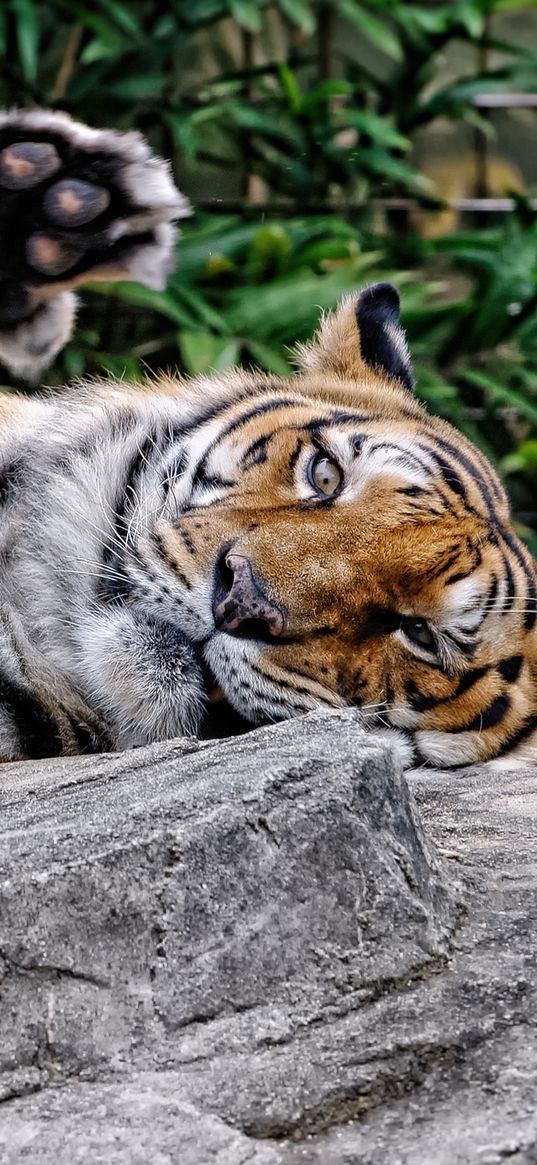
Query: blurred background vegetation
[(324, 145)]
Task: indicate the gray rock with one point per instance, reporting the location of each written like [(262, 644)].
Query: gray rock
[(476, 1103), (135, 1123), (248, 951)]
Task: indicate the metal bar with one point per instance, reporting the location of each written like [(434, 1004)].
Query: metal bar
[(506, 101), (480, 205), (239, 205)]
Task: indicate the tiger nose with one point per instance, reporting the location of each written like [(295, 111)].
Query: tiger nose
[(240, 606)]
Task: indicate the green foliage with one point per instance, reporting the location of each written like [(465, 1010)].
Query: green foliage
[(248, 292), (329, 124), (123, 62)]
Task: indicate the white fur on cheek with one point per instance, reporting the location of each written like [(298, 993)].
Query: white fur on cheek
[(256, 694), (458, 601)]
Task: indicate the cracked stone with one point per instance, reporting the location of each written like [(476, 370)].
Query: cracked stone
[(251, 950)]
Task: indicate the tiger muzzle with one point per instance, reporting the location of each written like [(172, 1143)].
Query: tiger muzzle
[(240, 605)]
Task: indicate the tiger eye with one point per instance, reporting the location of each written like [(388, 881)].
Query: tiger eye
[(325, 475), (419, 632)]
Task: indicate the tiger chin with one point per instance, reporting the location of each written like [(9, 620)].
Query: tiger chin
[(195, 556)]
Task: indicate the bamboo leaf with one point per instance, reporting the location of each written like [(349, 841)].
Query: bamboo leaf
[(27, 31), (268, 357), (379, 33), (378, 128), (247, 14), (299, 13), (3, 33), (138, 88), (134, 293), (203, 351), (123, 16), (500, 393)]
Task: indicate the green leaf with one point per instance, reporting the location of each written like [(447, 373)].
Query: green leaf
[(374, 29), (268, 357), (418, 21), (123, 16), (455, 97), (98, 50), (3, 33), (249, 118), (124, 366), (269, 251), (202, 311), (472, 116), (471, 16), (247, 14), (288, 308), (200, 12), (325, 252), (509, 5), (500, 393), (525, 457), (73, 362), (321, 94), (299, 13), (138, 88), (106, 30), (290, 87), (184, 132), (378, 128), (27, 31), (203, 351), (134, 293), (222, 236), (386, 166)]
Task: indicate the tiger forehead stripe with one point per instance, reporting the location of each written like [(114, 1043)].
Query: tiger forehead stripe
[(220, 408), (274, 405), (256, 453), (265, 410), (336, 418), (402, 453), (524, 561), (486, 469), (453, 478), (509, 583)]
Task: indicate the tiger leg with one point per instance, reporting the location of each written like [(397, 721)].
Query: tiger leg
[(76, 204), (40, 714), (142, 674)]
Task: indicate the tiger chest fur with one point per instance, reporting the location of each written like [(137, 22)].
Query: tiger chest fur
[(239, 541)]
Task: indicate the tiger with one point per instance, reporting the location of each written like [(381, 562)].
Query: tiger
[(198, 556)]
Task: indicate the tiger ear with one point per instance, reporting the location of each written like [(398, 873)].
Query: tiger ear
[(364, 333)]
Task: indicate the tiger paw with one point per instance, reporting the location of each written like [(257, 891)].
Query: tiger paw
[(76, 204)]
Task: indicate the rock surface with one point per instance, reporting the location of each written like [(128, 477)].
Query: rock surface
[(248, 951)]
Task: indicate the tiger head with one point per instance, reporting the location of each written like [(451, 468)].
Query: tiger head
[(327, 542)]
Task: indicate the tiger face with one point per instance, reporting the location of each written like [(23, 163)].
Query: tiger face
[(323, 541)]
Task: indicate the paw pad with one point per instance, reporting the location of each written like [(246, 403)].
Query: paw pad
[(50, 257), (24, 164), (77, 204), (72, 203)]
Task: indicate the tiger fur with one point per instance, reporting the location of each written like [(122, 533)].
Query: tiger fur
[(181, 553)]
